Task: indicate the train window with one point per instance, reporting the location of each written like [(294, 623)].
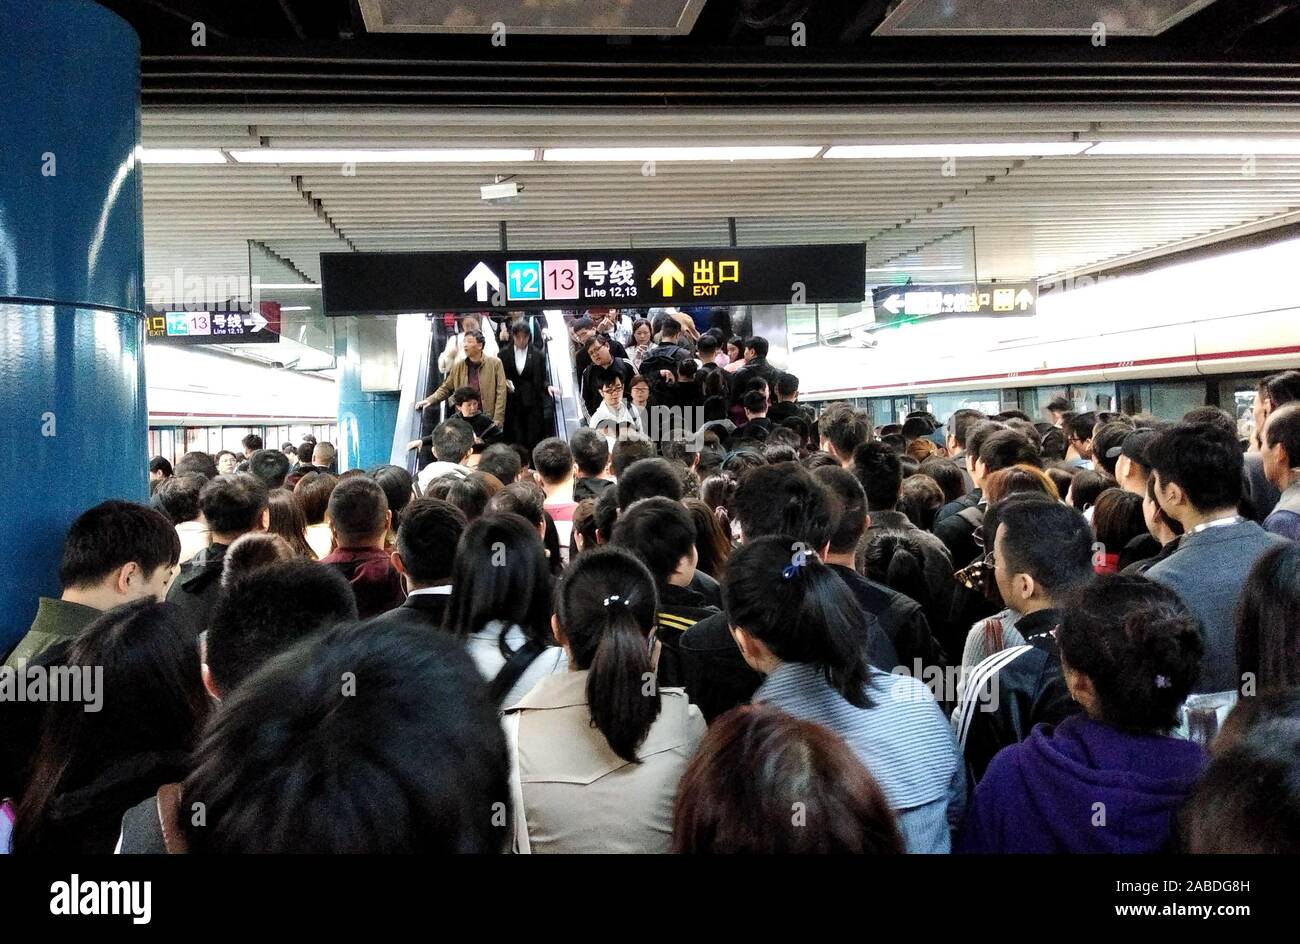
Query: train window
[(944, 405)]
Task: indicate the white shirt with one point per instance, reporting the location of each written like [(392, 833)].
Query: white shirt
[(442, 591), (622, 415), (521, 358)]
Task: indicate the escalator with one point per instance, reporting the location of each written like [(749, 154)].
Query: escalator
[(415, 340)]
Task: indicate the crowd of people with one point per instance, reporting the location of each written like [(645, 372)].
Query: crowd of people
[(779, 631)]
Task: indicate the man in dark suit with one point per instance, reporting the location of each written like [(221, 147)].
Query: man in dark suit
[(426, 550), (525, 369)]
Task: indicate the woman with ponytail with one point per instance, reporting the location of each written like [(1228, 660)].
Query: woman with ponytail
[(796, 622), (1108, 780), (598, 750)]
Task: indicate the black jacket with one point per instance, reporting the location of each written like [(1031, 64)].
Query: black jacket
[(957, 532), (680, 608), (590, 387), (195, 588), (590, 487), (526, 404), (422, 611), (758, 367), (1011, 691), (582, 360), (969, 500), (901, 619)]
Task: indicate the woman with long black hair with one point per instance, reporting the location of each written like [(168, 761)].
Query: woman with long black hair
[(501, 605), (794, 621), (142, 705), (598, 750)]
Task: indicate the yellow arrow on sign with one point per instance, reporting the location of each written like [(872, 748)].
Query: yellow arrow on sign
[(667, 273)]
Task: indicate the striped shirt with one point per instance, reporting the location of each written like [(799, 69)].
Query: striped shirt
[(904, 741)]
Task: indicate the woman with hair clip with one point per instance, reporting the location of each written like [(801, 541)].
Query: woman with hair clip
[(795, 621), (597, 751), (501, 605)]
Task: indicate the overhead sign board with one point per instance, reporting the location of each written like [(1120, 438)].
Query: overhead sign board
[(401, 282), (214, 327), (905, 302)]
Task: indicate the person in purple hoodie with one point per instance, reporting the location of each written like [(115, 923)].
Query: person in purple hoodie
[(1108, 780)]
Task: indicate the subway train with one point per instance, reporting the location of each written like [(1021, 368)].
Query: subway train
[(1161, 341), (207, 400)]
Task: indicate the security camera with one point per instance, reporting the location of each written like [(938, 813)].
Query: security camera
[(500, 192)]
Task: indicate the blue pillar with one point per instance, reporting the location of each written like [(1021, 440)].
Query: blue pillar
[(365, 420), (72, 392)]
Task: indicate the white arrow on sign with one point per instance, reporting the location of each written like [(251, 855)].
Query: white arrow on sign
[(893, 304), (1024, 299), (257, 321), (481, 277)]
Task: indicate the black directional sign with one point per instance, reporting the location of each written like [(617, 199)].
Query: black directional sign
[(905, 302), (403, 282), (212, 327)]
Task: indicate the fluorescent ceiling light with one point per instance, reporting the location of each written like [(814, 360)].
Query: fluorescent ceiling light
[(381, 156), (1232, 146), (295, 307), (286, 286), (180, 156), (637, 154), (958, 149), (930, 268)]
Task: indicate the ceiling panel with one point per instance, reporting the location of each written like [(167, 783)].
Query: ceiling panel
[(1008, 218)]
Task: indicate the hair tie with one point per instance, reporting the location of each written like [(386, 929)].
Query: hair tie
[(797, 562), (1162, 681), (616, 598)]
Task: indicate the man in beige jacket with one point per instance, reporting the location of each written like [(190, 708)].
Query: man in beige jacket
[(479, 370)]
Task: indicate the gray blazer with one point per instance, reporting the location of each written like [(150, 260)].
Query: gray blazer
[(1208, 571)]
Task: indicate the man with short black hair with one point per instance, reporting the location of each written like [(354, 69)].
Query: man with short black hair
[(969, 432), (880, 473), (271, 466), (250, 443), (781, 499), (1281, 459), (159, 471), (627, 450), (648, 478), (600, 363), (998, 449), (452, 442), (113, 554), (232, 505), (425, 557), (1041, 554), (661, 533), (843, 428), (359, 520), (755, 350), (553, 462), (757, 425), (178, 499), (501, 461), (1078, 437), (1197, 473), (905, 632), (199, 462), (591, 456), (1056, 409), (786, 393)]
